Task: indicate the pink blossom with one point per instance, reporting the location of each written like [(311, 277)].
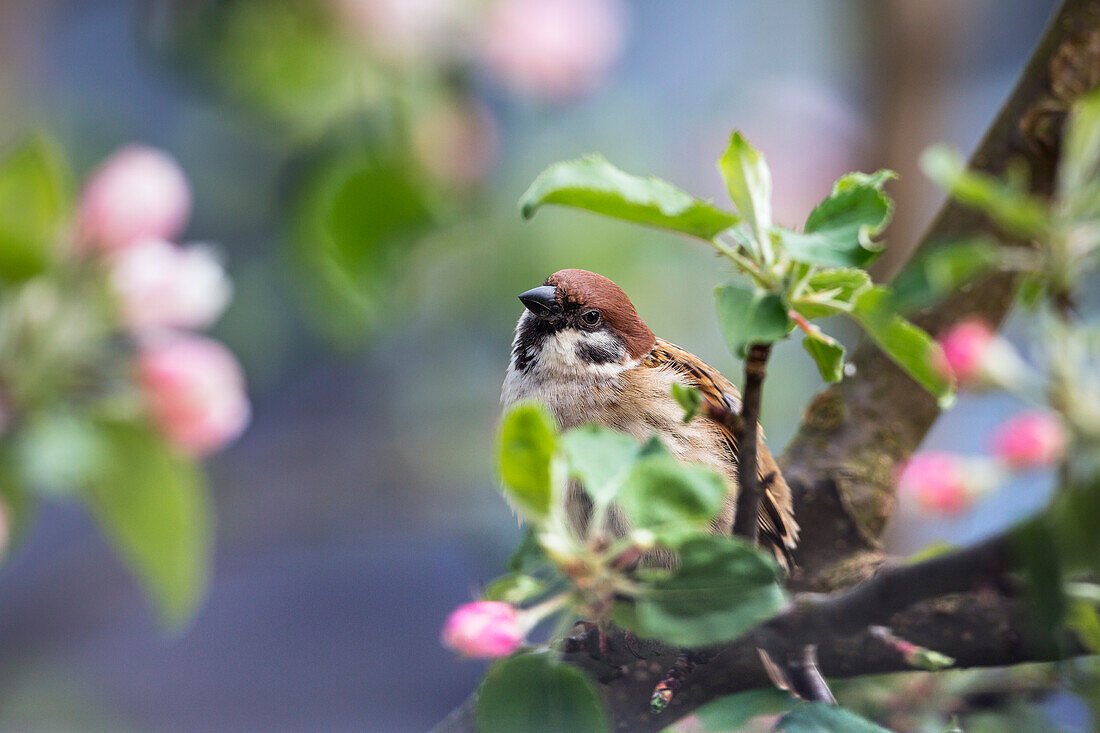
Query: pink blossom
[(966, 348), (1030, 440), (483, 629), (137, 193), (552, 49), (194, 389), (456, 143), (160, 285), (938, 482)]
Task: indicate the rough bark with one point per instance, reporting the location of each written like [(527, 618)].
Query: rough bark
[(980, 629)]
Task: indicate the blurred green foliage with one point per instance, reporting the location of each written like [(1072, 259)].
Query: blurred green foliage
[(35, 202)]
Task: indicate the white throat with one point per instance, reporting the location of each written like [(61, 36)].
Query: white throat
[(553, 372)]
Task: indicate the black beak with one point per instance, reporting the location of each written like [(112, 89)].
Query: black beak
[(541, 301)]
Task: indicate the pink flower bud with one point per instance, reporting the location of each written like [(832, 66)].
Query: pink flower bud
[(552, 49), (161, 285), (137, 193), (938, 482), (483, 629), (1030, 440), (194, 389), (966, 349)]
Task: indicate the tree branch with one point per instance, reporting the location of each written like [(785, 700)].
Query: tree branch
[(975, 625), (843, 461)]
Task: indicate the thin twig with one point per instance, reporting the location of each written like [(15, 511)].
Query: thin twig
[(746, 522)]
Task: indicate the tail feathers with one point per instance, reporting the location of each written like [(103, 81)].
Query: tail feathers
[(778, 531)]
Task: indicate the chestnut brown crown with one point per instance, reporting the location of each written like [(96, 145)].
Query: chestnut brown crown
[(586, 289)]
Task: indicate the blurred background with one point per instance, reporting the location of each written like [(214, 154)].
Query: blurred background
[(358, 163)]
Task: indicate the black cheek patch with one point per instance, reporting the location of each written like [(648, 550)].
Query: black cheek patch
[(600, 353), (529, 337)]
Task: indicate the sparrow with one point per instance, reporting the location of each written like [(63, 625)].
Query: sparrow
[(581, 349)]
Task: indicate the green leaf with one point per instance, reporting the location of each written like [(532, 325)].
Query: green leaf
[(1012, 208), (840, 230), (528, 438), (689, 398), (1032, 290), (594, 184), (355, 212), (828, 353), (152, 505), (514, 588), (943, 271), (532, 692), (722, 588), (16, 503), (1038, 547), (931, 550), (35, 199), (239, 50), (749, 183), (856, 179), (670, 497), (929, 659), (734, 711), (819, 717), (1071, 516), (749, 317), (528, 555), (840, 284), (599, 457), (908, 346), (1083, 619), (850, 281), (1077, 166)]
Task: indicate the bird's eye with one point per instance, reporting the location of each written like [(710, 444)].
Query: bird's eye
[(590, 318)]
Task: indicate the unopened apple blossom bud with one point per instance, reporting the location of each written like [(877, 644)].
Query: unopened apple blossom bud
[(914, 655), (965, 348), (195, 392), (938, 482), (552, 49), (1030, 440), (160, 285), (976, 356), (484, 629), (137, 193)]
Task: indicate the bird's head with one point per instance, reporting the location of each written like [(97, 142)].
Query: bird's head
[(578, 321)]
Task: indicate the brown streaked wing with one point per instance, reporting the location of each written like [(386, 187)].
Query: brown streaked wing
[(777, 525)]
